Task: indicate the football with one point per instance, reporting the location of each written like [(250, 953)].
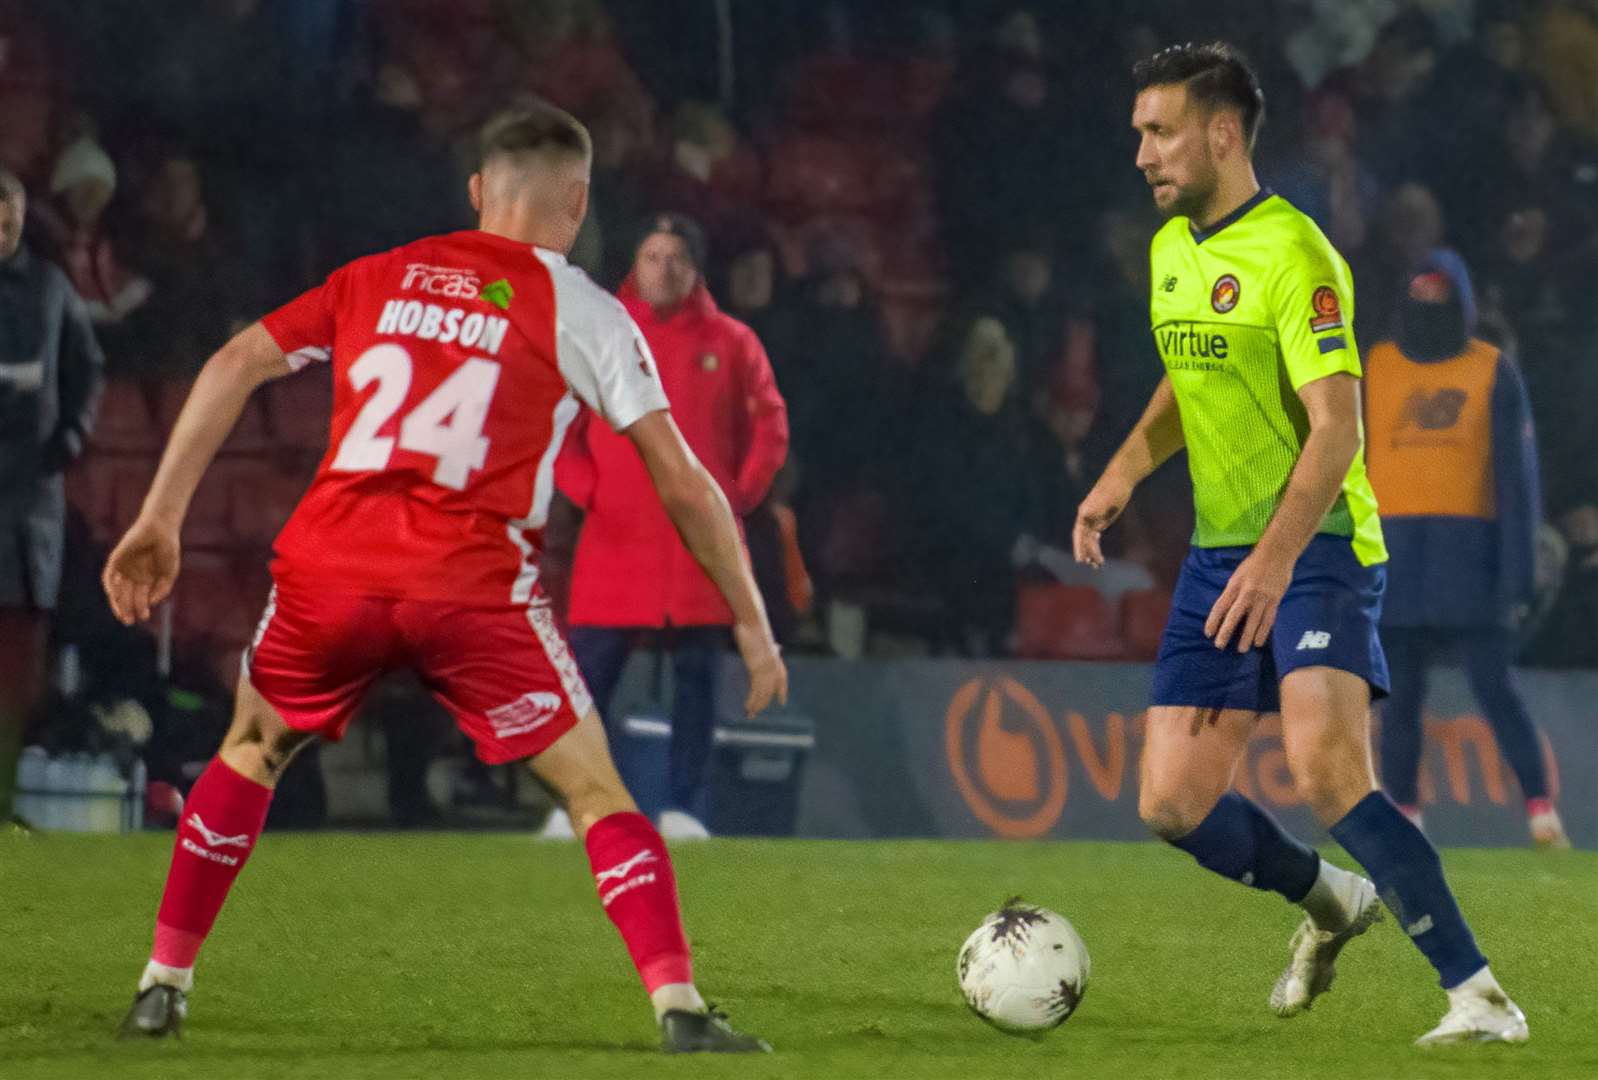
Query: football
[(1024, 970)]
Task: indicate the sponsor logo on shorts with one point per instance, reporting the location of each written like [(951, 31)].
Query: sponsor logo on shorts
[(1314, 639), (623, 872), (527, 713)]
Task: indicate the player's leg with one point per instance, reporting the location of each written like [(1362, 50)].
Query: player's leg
[(313, 659), (510, 681), (1326, 733), (222, 819), (1206, 701), (1403, 734), (1487, 655), (1185, 798), (601, 653)]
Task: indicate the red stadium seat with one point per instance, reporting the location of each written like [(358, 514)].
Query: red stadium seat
[(1143, 615), (126, 421), (1065, 622)]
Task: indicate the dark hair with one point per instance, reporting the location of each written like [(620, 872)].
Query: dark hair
[(685, 229), (538, 128), (1214, 73)]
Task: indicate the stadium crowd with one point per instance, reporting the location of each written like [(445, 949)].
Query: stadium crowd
[(926, 210)]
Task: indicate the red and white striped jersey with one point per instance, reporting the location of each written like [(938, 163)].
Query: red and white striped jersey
[(458, 365)]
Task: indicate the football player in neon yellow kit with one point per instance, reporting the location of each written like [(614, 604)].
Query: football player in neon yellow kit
[(1278, 601)]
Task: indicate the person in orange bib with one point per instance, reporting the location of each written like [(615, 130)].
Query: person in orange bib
[(1452, 457)]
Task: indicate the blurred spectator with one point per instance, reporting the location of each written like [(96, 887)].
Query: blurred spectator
[(1006, 150), (709, 171), (199, 295), (618, 199), (50, 376), (1326, 179), (1394, 96), (1411, 226), (1565, 43), (1335, 34), (382, 146), (1453, 462), (632, 573), (845, 401), (76, 234), (1027, 299), (1529, 161), (972, 491), (28, 90)]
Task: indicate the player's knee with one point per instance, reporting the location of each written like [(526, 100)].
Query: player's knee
[(1165, 818), (259, 751), (1330, 790), (592, 796)]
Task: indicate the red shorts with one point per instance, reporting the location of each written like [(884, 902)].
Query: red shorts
[(505, 673)]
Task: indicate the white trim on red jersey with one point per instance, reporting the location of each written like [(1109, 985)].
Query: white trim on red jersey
[(602, 353)]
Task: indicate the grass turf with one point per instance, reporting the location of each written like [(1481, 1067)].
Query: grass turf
[(486, 956)]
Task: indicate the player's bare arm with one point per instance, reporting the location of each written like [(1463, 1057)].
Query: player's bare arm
[(1155, 438), (1247, 608), (703, 518), (140, 572)]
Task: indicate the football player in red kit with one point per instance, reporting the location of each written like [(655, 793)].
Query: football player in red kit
[(459, 363)]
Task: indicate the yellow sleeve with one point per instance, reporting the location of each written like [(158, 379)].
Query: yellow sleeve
[(1314, 307)]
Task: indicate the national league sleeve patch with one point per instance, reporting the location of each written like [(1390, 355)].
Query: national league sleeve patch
[(1328, 311)]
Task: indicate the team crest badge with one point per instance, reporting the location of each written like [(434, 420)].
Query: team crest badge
[(709, 362), (1328, 311), (1224, 296), (499, 293)]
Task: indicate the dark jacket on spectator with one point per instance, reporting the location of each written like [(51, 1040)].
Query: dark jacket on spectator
[(50, 376)]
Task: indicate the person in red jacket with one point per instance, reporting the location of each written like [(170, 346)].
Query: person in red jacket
[(632, 575)]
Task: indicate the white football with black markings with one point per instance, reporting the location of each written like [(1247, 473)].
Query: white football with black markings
[(1025, 969)]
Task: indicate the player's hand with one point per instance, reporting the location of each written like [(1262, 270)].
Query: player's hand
[(1097, 513), (768, 675), (1246, 610), (140, 572)]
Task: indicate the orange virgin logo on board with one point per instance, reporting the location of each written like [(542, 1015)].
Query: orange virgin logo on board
[(1006, 757)]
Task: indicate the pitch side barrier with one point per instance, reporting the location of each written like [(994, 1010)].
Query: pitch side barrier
[(1050, 750)]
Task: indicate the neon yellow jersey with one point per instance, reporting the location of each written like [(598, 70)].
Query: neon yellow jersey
[(1245, 314)]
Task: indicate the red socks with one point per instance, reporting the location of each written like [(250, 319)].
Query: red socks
[(221, 821), (639, 892)]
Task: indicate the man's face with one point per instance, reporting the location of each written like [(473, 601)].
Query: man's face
[(663, 271), (13, 205), (1174, 152)]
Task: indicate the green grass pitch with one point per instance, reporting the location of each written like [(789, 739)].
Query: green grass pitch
[(484, 956)]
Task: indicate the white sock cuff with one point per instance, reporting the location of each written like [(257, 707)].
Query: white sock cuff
[(161, 975)]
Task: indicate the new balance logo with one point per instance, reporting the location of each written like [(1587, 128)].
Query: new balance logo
[(216, 839), (1419, 926), (1314, 639), (621, 870)]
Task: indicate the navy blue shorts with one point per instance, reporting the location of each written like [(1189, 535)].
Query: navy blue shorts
[(1327, 618)]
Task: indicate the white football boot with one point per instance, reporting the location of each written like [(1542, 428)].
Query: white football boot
[(1478, 1011), (1348, 905), (558, 826)]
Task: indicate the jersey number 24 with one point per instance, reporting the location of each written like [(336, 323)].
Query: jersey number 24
[(447, 424)]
